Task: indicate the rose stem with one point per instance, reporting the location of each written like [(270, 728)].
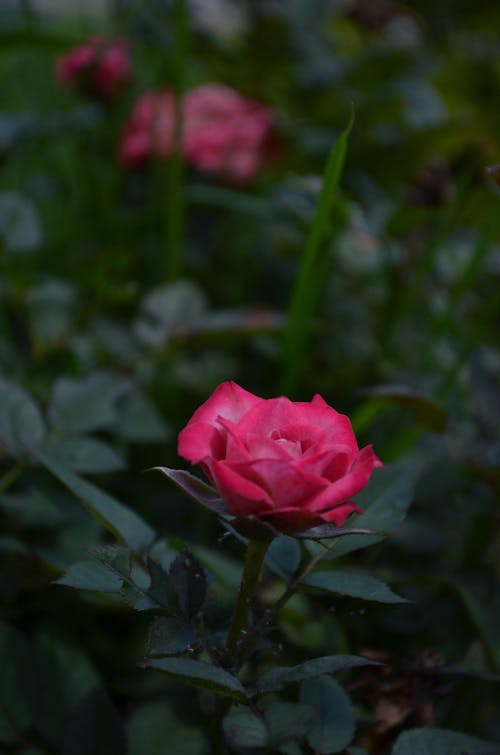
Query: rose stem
[(254, 558), (260, 625)]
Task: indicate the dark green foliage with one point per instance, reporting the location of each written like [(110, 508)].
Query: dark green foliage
[(363, 264)]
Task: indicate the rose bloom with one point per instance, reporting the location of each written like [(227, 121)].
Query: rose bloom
[(293, 465), (100, 68), (227, 134), (150, 129), (223, 133)]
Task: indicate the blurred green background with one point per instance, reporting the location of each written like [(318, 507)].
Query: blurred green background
[(127, 296)]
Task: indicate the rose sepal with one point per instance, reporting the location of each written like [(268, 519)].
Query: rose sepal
[(199, 491)]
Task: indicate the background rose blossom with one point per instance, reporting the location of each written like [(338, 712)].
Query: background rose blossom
[(99, 67), (224, 133), (292, 464), (150, 129)]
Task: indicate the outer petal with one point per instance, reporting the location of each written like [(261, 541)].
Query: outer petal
[(331, 464), (199, 441), (339, 514), (228, 401), (242, 496), (347, 486)]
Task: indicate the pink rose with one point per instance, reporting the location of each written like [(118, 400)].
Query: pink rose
[(223, 133), (291, 464), (150, 129), (227, 134), (98, 67)]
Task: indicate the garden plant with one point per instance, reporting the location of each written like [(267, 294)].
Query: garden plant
[(249, 371)]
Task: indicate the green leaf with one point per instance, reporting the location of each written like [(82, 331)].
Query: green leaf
[(139, 421), (288, 722), (91, 575), (160, 587), (243, 729), (83, 454), (354, 584), (307, 285), (169, 636), (442, 742), (385, 501), (200, 674), (196, 489), (154, 730), (167, 308), (425, 410), (32, 508), (227, 570), (330, 531), (121, 521), (189, 581), (142, 590), (78, 406), (284, 556), (334, 729), (281, 723), (281, 676), (21, 424)]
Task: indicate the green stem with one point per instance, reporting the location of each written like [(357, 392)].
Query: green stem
[(254, 558), (11, 477), (176, 210), (260, 626)]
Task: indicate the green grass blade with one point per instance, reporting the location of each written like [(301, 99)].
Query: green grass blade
[(306, 289)]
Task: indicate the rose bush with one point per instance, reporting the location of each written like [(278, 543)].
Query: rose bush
[(291, 464), (98, 67)]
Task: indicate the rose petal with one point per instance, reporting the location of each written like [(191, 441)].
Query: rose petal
[(230, 401), (235, 448), (308, 436), (330, 464), (339, 514), (200, 440), (268, 416), (261, 447), (241, 496), (292, 519), (347, 486), (286, 484)]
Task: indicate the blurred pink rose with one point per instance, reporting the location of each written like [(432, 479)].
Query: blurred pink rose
[(98, 67), (292, 464), (227, 134), (150, 129), (223, 133)]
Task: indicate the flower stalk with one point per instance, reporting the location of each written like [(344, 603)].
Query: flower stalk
[(254, 558)]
